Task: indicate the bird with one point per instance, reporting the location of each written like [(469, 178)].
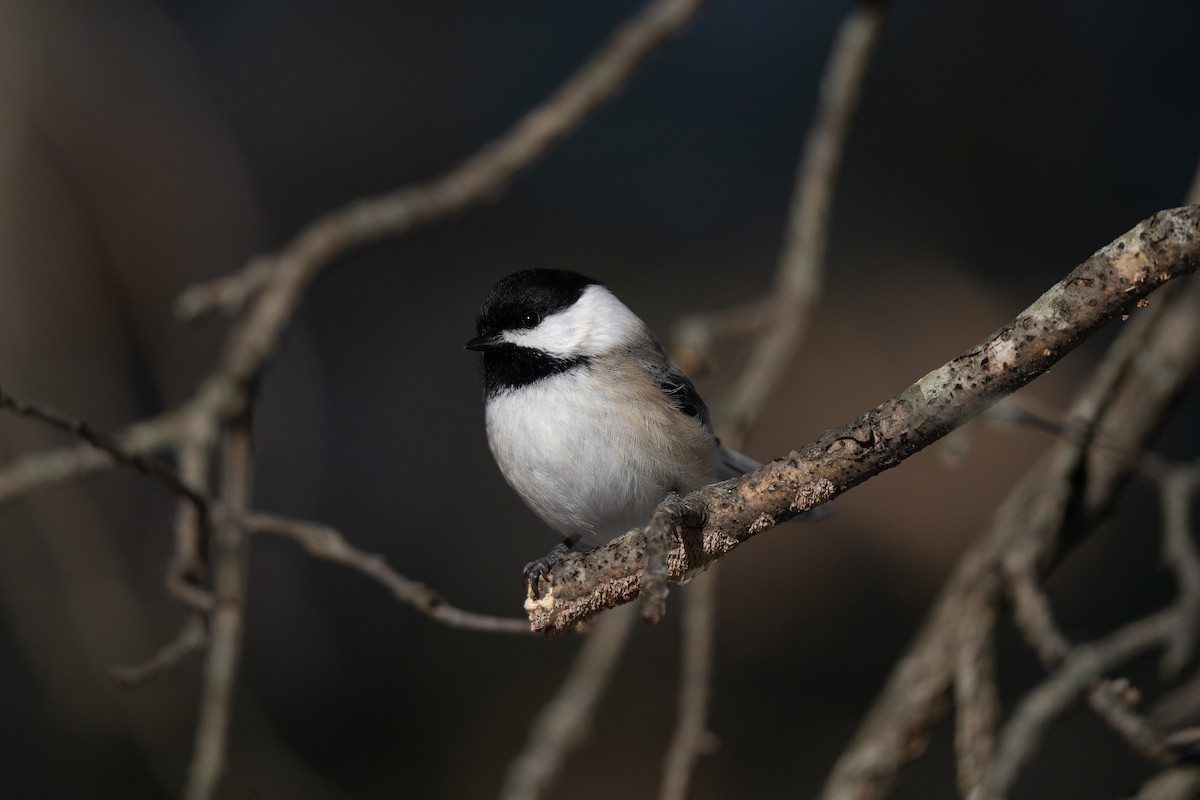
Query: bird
[(588, 419)]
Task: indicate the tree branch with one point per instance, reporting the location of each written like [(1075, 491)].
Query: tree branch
[(474, 180), (976, 700), (691, 738), (1107, 285), (326, 544), (563, 722), (105, 444), (55, 465), (1086, 664), (192, 638), (1113, 702), (1120, 409), (1178, 783), (227, 619), (799, 277), (1177, 487)]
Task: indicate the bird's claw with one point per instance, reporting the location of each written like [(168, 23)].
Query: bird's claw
[(538, 571)]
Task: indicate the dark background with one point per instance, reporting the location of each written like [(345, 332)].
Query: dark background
[(145, 146)]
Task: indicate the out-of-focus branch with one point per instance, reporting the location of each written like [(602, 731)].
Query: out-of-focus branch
[(692, 738), (1177, 488), (1180, 705), (797, 285), (55, 465), (192, 638), (1031, 609), (1178, 783), (121, 450), (1113, 701), (1122, 406), (564, 721), (1107, 285), (786, 310), (476, 179), (975, 696), (187, 564), (799, 277), (326, 544), (113, 448), (1085, 665), (229, 549)]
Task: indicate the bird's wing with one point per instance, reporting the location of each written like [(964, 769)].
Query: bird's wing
[(678, 388)]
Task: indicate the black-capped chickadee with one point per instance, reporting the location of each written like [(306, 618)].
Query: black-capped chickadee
[(587, 418)]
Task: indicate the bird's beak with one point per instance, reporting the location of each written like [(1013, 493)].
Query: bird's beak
[(484, 342)]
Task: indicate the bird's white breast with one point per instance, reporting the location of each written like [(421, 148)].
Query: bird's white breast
[(594, 449)]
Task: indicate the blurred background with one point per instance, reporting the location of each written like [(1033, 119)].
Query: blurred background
[(145, 146)]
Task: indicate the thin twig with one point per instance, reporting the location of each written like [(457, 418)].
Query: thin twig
[(103, 442), (326, 544), (563, 722), (67, 462), (691, 738), (192, 638), (227, 619), (191, 530), (1031, 608), (1086, 664), (1113, 701), (44, 468), (695, 335)]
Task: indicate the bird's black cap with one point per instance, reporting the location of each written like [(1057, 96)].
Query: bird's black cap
[(525, 298)]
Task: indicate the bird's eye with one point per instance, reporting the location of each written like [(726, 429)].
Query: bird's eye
[(530, 320)]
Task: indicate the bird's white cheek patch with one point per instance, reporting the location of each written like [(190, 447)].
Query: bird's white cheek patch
[(597, 323), (559, 334)]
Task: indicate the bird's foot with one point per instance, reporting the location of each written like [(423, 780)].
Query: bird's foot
[(538, 571)]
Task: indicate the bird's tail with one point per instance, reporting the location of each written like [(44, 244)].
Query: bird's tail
[(731, 463)]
